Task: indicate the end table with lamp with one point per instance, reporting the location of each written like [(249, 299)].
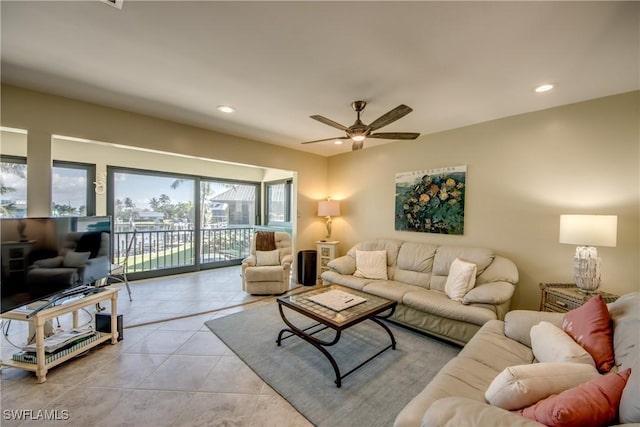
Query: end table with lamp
[(563, 297)]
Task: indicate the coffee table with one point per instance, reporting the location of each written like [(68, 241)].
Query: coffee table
[(373, 309)]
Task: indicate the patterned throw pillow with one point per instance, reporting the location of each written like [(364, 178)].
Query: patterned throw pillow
[(590, 326)]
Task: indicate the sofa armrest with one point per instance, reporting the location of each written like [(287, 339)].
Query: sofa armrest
[(94, 269), (249, 261), (55, 262), (343, 265), (490, 293), (462, 411), (286, 261), (518, 323)]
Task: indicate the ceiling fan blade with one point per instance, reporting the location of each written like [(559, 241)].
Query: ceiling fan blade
[(357, 145), (394, 135), (329, 122), (327, 139), (390, 117)]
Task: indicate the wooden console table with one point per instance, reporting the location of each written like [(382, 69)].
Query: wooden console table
[(40, 318)]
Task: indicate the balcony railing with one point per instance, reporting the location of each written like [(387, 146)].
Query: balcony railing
[(163, 249)]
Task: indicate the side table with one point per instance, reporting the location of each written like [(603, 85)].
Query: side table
[(562, 297), (326, 252)]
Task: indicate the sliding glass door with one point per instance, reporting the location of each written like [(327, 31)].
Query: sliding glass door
[(182, 223), (228, 212)]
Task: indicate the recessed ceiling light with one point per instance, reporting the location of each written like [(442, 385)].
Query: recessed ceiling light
[(338, 142), (544, 88), (225, 109)]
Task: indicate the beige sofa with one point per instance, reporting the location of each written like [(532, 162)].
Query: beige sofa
[(417, 273), (456, 396)]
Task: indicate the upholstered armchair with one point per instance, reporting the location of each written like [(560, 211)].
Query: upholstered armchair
[(268, 272), (82, 259)]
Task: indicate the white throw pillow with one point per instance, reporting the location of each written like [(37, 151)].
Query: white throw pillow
[(75, 259), (520, 386), (461, 279), (371, 264), (268, 257), (551, 344)]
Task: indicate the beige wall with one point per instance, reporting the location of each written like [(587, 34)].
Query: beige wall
[(522, 173), (44, 113)]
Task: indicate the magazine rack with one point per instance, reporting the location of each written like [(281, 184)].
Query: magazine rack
[(44, 363)]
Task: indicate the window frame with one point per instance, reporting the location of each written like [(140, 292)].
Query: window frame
[(288, 184), (91, 178), (6, 158)]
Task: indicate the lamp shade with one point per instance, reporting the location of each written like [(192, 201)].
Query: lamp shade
[(589, 230), (328, 208)]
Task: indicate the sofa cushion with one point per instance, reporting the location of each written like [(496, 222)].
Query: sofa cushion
[(518, 323), (520, 386), (461, 278), (388, 289), (462, 411), (445, 255), (625, 313), (371, 264), (415, 263), (594, 403), (590, 326), (551, 344), (391, 246), (438, 303)]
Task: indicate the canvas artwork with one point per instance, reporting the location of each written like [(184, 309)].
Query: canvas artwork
[(431, 200)]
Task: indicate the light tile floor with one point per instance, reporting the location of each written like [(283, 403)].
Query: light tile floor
[(164, 373)]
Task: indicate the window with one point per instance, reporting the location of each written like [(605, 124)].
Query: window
[(278, 203), (13, 187), (72, 190)]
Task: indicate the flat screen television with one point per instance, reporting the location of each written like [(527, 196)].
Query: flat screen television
[(24, 241)]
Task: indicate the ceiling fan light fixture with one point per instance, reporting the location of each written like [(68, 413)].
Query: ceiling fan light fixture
[(358, 138)]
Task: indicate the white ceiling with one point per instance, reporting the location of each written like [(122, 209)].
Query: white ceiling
[(454, 63)]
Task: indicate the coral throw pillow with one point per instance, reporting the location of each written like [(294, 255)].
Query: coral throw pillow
[(594, 403), (590, 326)]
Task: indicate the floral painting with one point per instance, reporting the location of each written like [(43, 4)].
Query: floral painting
[(431, 201)]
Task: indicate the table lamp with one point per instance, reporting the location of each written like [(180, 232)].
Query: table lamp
[(588, 231), (328, 208)]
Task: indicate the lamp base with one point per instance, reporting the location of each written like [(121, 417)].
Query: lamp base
[(586, 269)]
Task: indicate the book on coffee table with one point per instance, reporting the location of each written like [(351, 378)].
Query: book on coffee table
[(337, 300)]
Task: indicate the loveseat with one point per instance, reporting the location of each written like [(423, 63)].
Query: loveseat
[(415, 275), (457, 395)]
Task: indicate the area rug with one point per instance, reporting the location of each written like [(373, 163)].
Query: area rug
[(371, 396)]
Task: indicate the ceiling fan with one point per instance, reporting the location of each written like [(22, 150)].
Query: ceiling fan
[(358, 131)]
